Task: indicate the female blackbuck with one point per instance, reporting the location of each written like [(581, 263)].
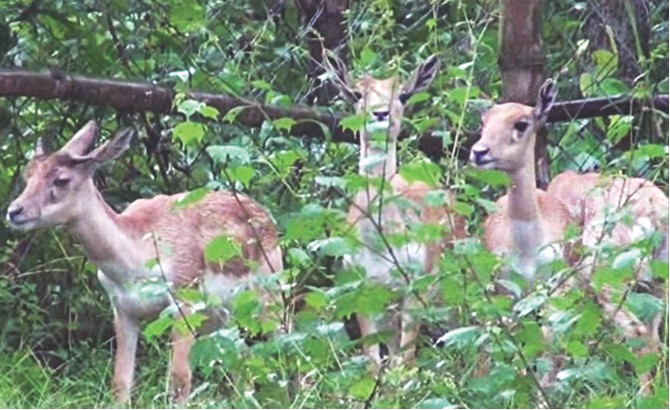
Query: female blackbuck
[(153, 241), (617, 212), (529, 225), (385, 212)]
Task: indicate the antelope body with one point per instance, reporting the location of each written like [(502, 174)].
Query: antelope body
[(530, 224), (152, 241), (392, 208), (619, 211)]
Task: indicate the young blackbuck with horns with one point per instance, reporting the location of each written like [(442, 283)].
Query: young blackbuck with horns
[(529, 224), (390, 210), (60, 191)]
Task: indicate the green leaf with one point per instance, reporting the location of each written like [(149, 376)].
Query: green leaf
[(418, 98), (529, 304), (353, 122), (331, 182), (372, 299), (612, 87), (209, 112), (511, 287), (187, 16), (157, 327), (298, 257), (232, 114), (607, 403), (229, 154), (619, 127), (606, 63), (190, 107), (460, 336), (189, 131), (191, 198), (362, 389), (368, 57), (463, 208), (586, 84), (284, 123), (532, 339), (644, 305), (577, 349), (490, 177), (316, 299), (335, 246), (221, 249), (242, 174), (425, 171)]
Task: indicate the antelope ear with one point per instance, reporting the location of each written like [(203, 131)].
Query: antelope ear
[(106, 152), (545, 100), (114, 147), (421, 79), (340, 77), (81, 141), (40, 148)]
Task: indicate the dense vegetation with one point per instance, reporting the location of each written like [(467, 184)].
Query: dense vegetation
[(56, 329)]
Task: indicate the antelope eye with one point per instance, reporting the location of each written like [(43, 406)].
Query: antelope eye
[(357, 95), (521, 126), (403, 97), (61, 182)]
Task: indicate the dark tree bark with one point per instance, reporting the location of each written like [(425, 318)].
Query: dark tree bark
[(137, 97), (326, 26), (521, 64), (629, 24)]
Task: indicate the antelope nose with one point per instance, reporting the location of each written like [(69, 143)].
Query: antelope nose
[(478, 155), (381, 115), (13, 212)]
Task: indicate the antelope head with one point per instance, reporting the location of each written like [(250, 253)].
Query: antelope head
[(58, 184), (507, 139), (382, 102)]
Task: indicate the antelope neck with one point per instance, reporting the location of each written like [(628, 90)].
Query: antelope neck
[(386, 168), (523, 201), (99, 228)]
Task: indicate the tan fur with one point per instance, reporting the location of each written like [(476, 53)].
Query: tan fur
[(124, 245), (591, 199), (498, 231), (570, 199), (512, 151), (589, 196), (378, 261)]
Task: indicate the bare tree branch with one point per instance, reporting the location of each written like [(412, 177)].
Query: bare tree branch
[(310, 121)]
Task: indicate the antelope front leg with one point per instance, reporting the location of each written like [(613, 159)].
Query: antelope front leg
[(368, 327), (127, 331), (180, 369), (409, 330)]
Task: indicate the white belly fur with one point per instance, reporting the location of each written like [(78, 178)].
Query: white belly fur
[(147, 296)]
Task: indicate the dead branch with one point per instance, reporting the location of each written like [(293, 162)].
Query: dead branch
[(310, 121)]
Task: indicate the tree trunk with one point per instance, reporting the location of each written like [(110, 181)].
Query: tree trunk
[(521, 64), (628, 21), (325, 22)]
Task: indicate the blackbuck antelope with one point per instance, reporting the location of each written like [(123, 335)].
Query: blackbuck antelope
[(617, 212), (151, 241), (529, 224), (390, 207)]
